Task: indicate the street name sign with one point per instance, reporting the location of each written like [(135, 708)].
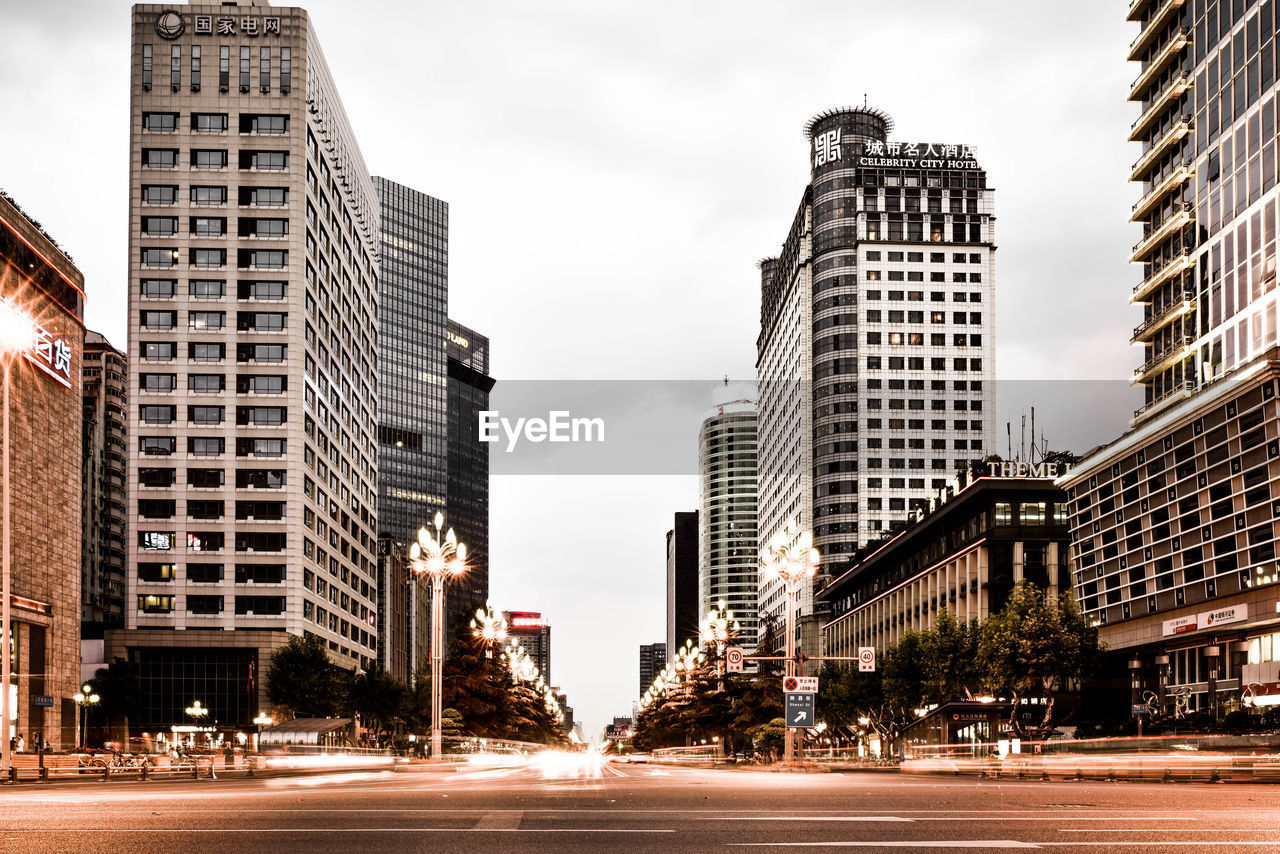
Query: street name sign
[(733, 659), (799, 710)]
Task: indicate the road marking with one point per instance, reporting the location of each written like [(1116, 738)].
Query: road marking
[(913, 843), (1131, 843), (305, 830), (500, 820), (805, 818)]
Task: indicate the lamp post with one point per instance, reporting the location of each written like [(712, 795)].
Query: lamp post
[(438, 559), (717, 628), (489, 628), (84, 698), (793, 560), (16, 336)]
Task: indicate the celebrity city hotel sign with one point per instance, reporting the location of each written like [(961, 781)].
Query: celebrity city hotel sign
[(828, 148)]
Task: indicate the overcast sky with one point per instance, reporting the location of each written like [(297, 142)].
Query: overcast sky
[(613, 173)]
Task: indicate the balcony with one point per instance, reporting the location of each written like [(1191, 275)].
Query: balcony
[(1136, 8), (1172, 395), (1183, 261), (1175, 309), (1154, 108), (1179, 350), (1166, 55), (1180, 129), (1156, 194), (1179, 220), (1152, 27)]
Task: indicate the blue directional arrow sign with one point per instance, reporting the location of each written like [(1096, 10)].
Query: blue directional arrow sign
[(799, 710)]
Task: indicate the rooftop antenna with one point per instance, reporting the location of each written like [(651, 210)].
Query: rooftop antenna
[(1008, 429), (1022, 446), (864, 99)]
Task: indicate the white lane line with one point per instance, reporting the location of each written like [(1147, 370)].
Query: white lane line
[(1166, 843), (912, 843), (804, 818), (1166, 830), (304, 830), (1067, 818)]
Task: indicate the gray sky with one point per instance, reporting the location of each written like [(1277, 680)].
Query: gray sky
[(613, 173)]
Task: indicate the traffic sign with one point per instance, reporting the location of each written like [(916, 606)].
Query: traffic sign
[(866, 659), (801, 684), (799, 710), (733, 659)]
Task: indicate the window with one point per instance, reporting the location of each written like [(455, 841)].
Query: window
[(264, 161), (204, 478), (261, 384), (152, 604), (205, 541), (206, 352), (263, 259), (160, 122), (259, 573), (263, 290), (156, 573), (159, 351), (260, 478), (1031, 513), (146, 68), (156, 508), (286, 75), (204, 415), (264, 69), (209, 158), (159, 194), (207, 288), (206, 321), (209, 122), (206, 446), (259, 541), (159, 257), (157, 477), (175, 67), (264, 197), (158, 288), (195, 68), (208, 195), (263, 124), (260, 605), (203, 604), (224, 68), (160, 158), (158, 382), (260, 447), (205, 510), (1004, 513), (159, 320), (206, 383), (156, 541), (262, 321), (263, 227), (159, 226), (157, 446), (204, 573), (261, 415), (244, 70), (208, 258)]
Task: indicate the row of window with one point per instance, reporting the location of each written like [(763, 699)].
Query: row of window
[(898, 316), (934, 296), (205, 320), (285, 68), (212, 573), (212, 541), (215, 158), (211, 446), (215, 194), (260, 416), (214, 289), (246, 259), (916, 363), (258, 354), (213, 478), (256, 606), (215, 226), (166, 508), (216, 383), (934, 257), (918, 276)]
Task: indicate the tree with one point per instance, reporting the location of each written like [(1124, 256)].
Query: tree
[(119, 691), (949, 651), (380, 699), (303, 681), (1036, 645)]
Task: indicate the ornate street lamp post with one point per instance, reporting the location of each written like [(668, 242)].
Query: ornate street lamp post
[(717, 628), (84, 698), (438, 559), (489, 628), (793, 561)]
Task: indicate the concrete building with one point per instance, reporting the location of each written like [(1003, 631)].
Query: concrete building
[(102, 539), (532, 631), (977, 539), (253, 341), (876, 349), (1173, 529), (42, 292), (653, 657), (682, 584), (727, 553)]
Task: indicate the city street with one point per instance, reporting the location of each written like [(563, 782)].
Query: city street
[(567, 803)]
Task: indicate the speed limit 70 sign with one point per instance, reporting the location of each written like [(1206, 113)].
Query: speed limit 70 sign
[(733, 659), (866, 659)]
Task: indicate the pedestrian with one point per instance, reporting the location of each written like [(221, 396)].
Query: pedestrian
[(22, 743)]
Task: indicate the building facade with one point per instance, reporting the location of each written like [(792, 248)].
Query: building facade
[(682, 583), (532, 631), (102, 541), (877, 344), (467, 495), (653, 657), (981, 537), (253, 342), (42, 296), (728, 565), (1173, 533)]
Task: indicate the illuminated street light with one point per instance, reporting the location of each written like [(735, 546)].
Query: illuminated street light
[(792, 559), (197, 710), (438, 559), (718, 628), (85, 697), (17, 334), (489, 628)]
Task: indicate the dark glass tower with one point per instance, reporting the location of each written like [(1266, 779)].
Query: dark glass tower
[(467, 493)]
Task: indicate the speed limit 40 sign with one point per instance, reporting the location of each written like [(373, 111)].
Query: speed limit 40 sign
[(733, 659), (866, 659)]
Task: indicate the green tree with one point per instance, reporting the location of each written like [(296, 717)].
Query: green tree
[(949, 651), (381, 700), (1034, 645), (302, 679), (903, 673), (119, 691)]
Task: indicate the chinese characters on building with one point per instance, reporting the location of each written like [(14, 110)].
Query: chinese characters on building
[(826, 147), (49, 354), (208, 25)]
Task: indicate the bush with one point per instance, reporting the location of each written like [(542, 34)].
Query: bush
[(1239, 721)]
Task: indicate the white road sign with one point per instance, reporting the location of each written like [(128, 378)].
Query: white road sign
[(866, 659), (733, 659), (800, 684)]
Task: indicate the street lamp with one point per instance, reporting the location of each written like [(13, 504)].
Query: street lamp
[(489, 628), (17, 333), (438, 559), (85, 697), (793, 559), (717, 628)]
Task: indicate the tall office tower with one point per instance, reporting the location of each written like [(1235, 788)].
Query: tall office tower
[(467, 495), (102, 543), (727, 554), (1173, 526), (653, 657), (876, 347), (682, 582), (532, 631), (253, 340)]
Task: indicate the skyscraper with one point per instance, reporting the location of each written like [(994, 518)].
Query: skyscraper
[(653, 657), (102, 564), (467, 495), (682, 582), (727, 555), (253, 341), (532, 631), (876, 349), (1173, 524)]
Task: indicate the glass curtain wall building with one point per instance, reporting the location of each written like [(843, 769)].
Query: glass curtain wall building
[(467, 494)]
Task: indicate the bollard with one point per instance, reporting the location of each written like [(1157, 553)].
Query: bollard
[(195, 769), (13, 774), (143, 768), (106, 772), (250, 761), (44, 774)]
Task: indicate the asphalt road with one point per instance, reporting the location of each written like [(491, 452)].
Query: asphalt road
[(563, 806)]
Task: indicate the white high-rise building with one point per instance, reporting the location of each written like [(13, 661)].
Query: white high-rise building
[(253, 311)]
